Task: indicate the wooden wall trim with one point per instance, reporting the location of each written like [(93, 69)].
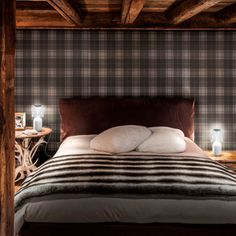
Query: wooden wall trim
[(7, 118)]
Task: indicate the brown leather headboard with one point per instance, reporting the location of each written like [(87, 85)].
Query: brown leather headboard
[(94, 115)]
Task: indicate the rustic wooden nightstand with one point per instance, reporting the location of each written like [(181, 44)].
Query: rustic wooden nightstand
[(227, 158)]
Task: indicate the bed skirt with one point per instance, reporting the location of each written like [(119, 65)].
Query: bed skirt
[(115, 229)]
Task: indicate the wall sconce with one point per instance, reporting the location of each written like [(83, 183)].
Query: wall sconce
[(217, 139), (38, 114)]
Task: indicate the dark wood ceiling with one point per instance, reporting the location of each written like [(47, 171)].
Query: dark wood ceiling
[(127, 14)]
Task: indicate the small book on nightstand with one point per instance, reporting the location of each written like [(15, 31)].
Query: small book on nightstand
[(30, 132)]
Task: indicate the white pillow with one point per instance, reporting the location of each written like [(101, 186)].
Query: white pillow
[(163, 141), (120, 138), (167, 129)]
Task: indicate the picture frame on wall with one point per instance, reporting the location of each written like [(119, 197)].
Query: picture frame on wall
[(20, 120)]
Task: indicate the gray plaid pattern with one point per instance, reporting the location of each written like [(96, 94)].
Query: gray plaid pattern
[(53, 64)]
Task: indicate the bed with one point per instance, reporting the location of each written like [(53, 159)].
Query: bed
[(81, 191)]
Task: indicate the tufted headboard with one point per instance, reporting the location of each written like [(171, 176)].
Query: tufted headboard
[(94, 115)]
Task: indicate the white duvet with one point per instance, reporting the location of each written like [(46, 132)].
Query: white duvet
[(74, 208)]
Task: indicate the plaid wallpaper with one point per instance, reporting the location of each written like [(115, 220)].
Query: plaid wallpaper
[(53, 64)]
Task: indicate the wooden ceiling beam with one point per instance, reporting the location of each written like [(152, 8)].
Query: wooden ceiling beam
[(131, 10), (227, 15), (68, 9), (189, 8)]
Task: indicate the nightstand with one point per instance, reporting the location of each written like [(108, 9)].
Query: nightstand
[(227, 158), (25, 149)]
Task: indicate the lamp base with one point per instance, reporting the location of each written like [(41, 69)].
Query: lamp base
[(217, 148), (38, 124)]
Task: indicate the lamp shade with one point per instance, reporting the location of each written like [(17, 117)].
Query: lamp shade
[(37, 111), (216, 135)]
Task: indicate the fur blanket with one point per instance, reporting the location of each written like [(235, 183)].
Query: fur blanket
[(127, 175)]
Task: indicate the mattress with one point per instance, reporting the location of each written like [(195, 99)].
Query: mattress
[(86, 207)]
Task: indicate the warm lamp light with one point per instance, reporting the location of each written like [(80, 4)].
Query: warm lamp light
[(38, 114), (216, 140)]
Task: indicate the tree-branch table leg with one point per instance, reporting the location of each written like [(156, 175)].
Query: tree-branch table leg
[(24, 153)]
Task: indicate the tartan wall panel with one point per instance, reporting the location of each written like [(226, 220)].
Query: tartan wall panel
[(53, 64)]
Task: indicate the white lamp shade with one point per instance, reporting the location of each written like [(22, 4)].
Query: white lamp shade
[(216, 135), (38, 111)]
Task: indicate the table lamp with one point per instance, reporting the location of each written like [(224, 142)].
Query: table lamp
[(37, 114), (216, 142)]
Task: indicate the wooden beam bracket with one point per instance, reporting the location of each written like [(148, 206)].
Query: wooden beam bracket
[(68, 9), (131, 10), (189, 8)]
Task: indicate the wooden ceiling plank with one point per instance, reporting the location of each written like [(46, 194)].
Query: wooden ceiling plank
[(145, 21), (131, 10), (227, 15), (100, 7), (40, 19), (68, 10), (31, 1), (109, 2), (31, 5), (189, 8)]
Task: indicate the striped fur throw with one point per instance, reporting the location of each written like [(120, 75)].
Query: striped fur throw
[(155, 176)]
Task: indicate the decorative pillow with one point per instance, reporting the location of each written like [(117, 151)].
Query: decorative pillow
[(164, 140), (167, 129), (120, 138)]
